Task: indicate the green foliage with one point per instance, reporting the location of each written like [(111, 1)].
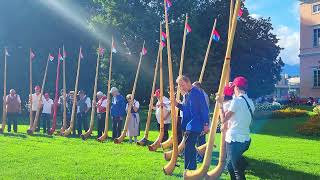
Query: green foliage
[(316, 110), (289, 113), (311, 127), (267, 107)]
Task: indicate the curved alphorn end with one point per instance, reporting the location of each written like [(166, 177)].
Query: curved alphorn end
[(169, 168), (62, 130), (51, 131), (194, 175), (216, 172), (29, 131), (1, 131), (142, 142), (67, 132), (167, 155), (102, 138), (86, 135), (167, 144), (154, 146)]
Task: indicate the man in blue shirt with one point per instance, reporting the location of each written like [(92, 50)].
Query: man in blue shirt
[(117, 110), (195, 119)]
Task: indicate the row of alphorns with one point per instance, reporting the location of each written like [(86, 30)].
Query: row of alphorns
[(206, 150)]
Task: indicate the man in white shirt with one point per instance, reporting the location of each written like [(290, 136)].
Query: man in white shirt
[(166, 114), (83, 107), (47, 111), (36, 104), (237, 122)]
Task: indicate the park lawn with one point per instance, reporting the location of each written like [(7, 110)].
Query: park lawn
[(276, 152)]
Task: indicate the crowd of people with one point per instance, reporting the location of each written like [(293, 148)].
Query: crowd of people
[(193, 118)]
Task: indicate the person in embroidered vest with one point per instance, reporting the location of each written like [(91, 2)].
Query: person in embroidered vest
[(117, 111), (166, 113), (36, 104), (202, 137), (101, 111), (13, 103), (83, 107), (195, 119), (236, 123), (47, 112), (134, 121)]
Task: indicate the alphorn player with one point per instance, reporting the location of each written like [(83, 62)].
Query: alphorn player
[(134, 122), (202, 137), (166, 114), (69, 101), (13, 103), (47, 112), (83, 107), (117, 110), (36, 104), (101, 111), (195, 119), (237, 120)]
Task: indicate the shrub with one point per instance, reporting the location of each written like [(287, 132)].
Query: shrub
[(267, 107), (311, 127), (289, 113), (316, 110)]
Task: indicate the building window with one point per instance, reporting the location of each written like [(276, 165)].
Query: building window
[(316, 78), (316, 8), (316, 37)]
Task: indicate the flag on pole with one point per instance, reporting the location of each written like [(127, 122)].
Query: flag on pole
[(144, 51), (6, 52), (64, 54), (51, 58), (163, 36), (168, 4), (163, 44), (101, 51), (240, 13), (215, 35), (32, 55), (60, 57), (113, 48), (189, 30)]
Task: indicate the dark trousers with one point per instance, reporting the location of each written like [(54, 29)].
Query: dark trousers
[(235, 161), (68, 123), (45, 118), (166, 131), (82, 121), (179, 130), (33, 119), (12, 117), (190, 151), (116, 127), (101, 118)]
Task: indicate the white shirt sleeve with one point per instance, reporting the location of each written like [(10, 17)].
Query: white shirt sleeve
[(19, 100), (233, 105), (137, 104), (88, 102)]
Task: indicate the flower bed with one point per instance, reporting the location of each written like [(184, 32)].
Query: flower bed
[(288, 113), (311, 127)]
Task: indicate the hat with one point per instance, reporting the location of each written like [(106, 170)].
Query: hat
[(113, 90), (157, 93), (37, 88), (100, 93), (228, 91), (81, 92), (240, 82)]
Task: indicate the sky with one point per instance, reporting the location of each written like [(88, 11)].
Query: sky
[(284, 16)]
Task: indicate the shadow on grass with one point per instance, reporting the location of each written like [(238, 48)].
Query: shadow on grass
[(267, 170), (15, 135)]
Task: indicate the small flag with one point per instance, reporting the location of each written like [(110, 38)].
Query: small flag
[(6, 52), (189, 30), (163, 36), (32, 55), (113, 48), (81, 55), (60, 57), (101, 51), (163, 44), (168, 4), (216, 36), (51, 58), (240, 13), (144, 51), (64, 54)]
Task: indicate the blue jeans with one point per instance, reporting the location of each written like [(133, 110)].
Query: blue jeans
[(201, 141), (190, 152), (235, 161)]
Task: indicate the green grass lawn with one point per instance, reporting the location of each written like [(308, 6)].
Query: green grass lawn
[(276, 152)]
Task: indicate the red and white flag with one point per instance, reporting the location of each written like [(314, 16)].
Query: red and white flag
[(81, 55), (144, 51), (101, 51), (32, 55), (51, 58)]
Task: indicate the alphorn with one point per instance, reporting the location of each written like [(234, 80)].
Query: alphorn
[(126, 124), (217, 171), (4, 108), (36, 118), (202, 149), (56, 98), (169, 168), (145, 140), (157, 143), (168, 143), (106, 126), (64, 120), (73, 113), (201, 172), (30, 91), (93, 109)]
